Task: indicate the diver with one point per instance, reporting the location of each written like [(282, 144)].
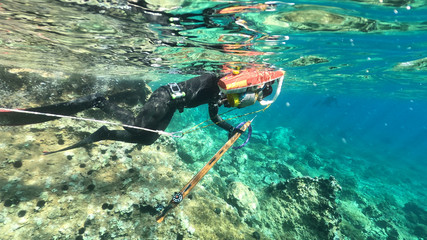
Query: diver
[(157, 112)]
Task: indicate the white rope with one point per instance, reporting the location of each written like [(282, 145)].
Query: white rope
[(173, 134)]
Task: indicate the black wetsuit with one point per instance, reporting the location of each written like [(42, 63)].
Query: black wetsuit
[(156, 113)]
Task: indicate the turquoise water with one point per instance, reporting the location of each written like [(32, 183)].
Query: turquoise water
[(357, 104), (355, 89)]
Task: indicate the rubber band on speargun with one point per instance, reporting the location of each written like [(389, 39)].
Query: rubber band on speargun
[(247, 139)]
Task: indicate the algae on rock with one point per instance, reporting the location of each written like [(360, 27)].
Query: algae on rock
[(300, 208)]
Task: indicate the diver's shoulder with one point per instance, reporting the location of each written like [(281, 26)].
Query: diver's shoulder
[(211, 75), (207, 77)]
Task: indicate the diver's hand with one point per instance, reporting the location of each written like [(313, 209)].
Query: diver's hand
[(234, 131)]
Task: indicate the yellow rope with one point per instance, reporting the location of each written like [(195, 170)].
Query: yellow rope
[(196, 128)]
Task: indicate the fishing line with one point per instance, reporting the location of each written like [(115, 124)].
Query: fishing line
[(172, 134)]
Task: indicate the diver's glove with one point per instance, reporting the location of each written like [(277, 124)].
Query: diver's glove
[(234, 131)]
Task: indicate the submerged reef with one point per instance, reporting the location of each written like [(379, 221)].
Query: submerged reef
[(395, 3), (300, 208), (113, 190), (415, 65), (308, 60), (319, 20), (315, 18)]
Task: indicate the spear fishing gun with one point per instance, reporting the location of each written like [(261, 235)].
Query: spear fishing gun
[(179, 196)]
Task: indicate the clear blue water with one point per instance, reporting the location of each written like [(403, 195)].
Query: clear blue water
[(393, 129)]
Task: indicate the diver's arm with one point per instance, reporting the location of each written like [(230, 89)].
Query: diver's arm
[(213, 114)]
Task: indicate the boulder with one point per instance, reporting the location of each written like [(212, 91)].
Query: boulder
[(281, 137), (242, 198)]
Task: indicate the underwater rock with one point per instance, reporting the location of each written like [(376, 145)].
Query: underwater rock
[(415, 213), (241, 197), (10, 81), (216, 185), (77, 36), (415, 65), (308, 19), (103, 3), (309, 60), (281, 138), (34, 86), (372, 212), (162, 5), (260, 137), (128, 91), (127, 181), (284, 171), (240, 159), (41, 88), (395, 3), (300, 208), (313, 160), (271, 178), (320, 20), (192, 149), (420, 231), (208, 217)]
